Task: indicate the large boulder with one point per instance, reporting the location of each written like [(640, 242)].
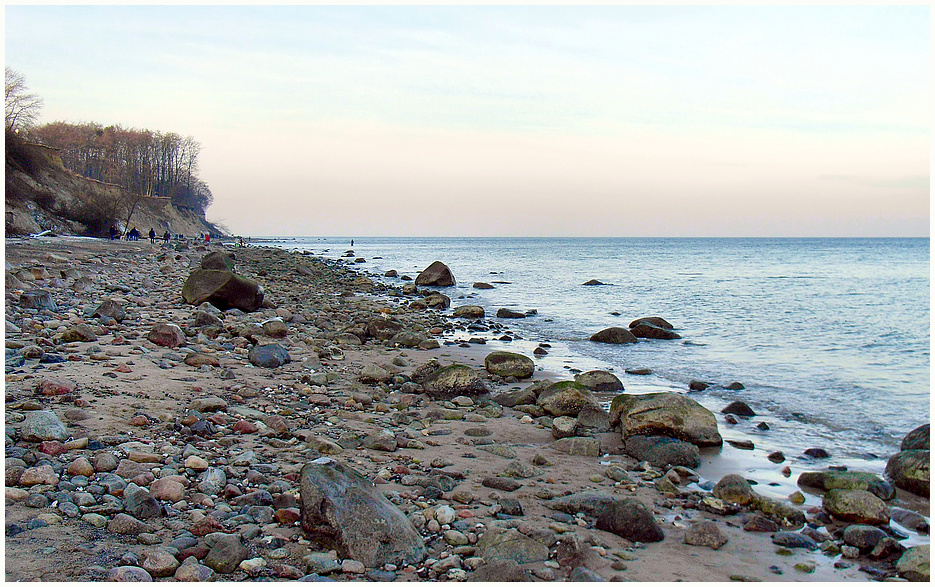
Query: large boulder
[(270, 356), (383, 329), (437, 274), (653, 321), (507, 364), (909, 470), (343, 510), (566, 398), (600, 381), (918, 439), (914, 564), (507, 544), (218, 260), (613, 335), (733, 488), (632, 520), (223, 290), (42, 425), (652, 327), (454, 380), (666, 414), (856, 506), (831, 479)]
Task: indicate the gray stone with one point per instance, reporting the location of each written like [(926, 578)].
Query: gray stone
[(831, 479), (269, 356), (614, 335), (914, 564), (501, 571), (507, 544), (733, 488), (192, 570), (863, 536), (344, 510), (129, 574), (566, 398), (666, 414), (630, 519), (42, 425), (158, 562), (226, 554), (507, 364), (918, 439), (794, 540), (663, 452), (856, 506), (909, 470), (705, 533), (139, 503), (599, 381)]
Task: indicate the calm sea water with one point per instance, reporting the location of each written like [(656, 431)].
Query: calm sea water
[(830, 337)]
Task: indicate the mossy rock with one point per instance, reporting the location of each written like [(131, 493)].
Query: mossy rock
[(454, 380), (909, 470), (566, 398), (507, 364), (856, 506), (665, 414), (827, 480)]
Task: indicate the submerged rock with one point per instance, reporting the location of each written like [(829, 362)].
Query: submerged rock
[(614, 335)]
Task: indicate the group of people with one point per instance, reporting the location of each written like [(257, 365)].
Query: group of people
[(134, 235)]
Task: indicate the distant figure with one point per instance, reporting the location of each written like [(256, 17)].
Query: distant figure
[(166, 237), (133, 235), (207, 238), (113, 232), (242, 244), (152, 236), (352, 242)]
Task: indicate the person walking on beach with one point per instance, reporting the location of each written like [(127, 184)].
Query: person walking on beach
[(166, 236), (152, 236), (207, 238), (113, 232)]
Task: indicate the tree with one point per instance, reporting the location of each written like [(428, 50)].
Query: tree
[(21, 108)]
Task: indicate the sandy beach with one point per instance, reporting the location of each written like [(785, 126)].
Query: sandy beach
[(129, 491)]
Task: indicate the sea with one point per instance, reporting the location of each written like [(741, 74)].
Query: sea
[(830, 337)]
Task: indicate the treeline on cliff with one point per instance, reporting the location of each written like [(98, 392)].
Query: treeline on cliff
[(145, 162)]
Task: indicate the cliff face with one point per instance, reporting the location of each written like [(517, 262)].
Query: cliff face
[(42, 195)]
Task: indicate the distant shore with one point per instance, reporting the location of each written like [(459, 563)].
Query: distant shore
[(145, 403)]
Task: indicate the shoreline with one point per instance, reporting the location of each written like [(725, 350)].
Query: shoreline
[(344, 398)]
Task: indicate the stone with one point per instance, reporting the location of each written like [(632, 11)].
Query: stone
[(192, 570), (507, 364), (855, 506), (167, 490), (223, 290), (219, 260), (564, 426), (127, 574), (614, 335), (56, 386), (501, 571), (630, 519), (270, 356), (654, 321), (909, 470), (509, 314), (158, 562), (863, 536), (578, 446), (470, 312), (343, 510), (566, 398), (599, 381), (733, 488), (80, 466), (383, 328), (79, 333), (139, 503), (110, 309), (663, 452), (508, 544), (437, 274), (42, 425), (738, 408), (650, 328), (594, 418), (208, 404), (914, 564), (37, 299), (501, 483), (705, 533), (794, 540), (126, 524), (374, 374), (41, 475), (167, 335), (667, 414), (226, 554), (918, 439), (454, 380), (832, 479)]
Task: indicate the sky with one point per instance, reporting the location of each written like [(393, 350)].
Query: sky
[(514, 121)]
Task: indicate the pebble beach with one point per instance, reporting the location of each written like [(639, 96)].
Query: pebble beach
[(148, 438)]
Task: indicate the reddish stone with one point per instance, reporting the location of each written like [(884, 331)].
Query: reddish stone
[(199, 551), (56, 387), (286, 571), (291, 476), (219, 419), (231, 491), (400, 470), (75, 358), (123, 369), (189, 420), (206, 526), (465, 514), (139, 421), (287, 515), (144, 479), (82, 403), (244, 427), (52, 447), (277, 423), (168, 335)]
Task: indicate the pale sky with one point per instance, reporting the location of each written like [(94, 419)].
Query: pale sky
[(503, 121)]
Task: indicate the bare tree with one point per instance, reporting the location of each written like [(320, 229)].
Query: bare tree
[(21, 108)]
